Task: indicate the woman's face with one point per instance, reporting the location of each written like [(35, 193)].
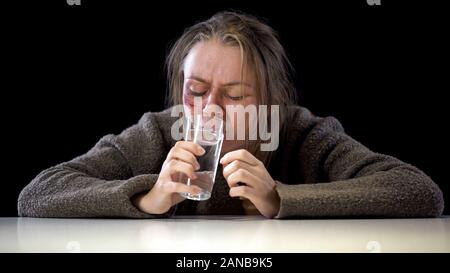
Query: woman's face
[(212, 72)]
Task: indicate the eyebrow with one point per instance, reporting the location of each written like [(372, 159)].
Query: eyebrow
[(232, 83)]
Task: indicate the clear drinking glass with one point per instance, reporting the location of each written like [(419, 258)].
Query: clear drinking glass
[(208, 133)]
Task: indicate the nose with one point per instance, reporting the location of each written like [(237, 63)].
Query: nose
[(213, 100)]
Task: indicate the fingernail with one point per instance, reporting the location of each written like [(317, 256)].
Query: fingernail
[(197, 166), (201, 150)]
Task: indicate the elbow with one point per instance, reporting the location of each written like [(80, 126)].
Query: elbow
[(420, 195), (30, 202), (26, 203), (37, 199), (23, 202), (434, 201)]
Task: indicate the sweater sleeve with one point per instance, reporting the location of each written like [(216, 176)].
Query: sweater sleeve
[(345, 179), (101, 182)]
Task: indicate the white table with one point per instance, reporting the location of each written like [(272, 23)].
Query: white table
[(224, 234)]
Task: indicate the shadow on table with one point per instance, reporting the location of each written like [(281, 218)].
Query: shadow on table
[(220, 217)]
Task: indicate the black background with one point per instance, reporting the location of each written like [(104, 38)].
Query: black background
[(72, 74)]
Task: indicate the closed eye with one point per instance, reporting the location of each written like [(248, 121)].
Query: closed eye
[(196, 94), (235, 97)]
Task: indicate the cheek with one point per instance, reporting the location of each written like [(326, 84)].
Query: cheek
[(188, 100), (252, 100), (188, 105)]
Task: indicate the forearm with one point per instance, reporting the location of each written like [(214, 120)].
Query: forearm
[(60, 192), (400, 192)]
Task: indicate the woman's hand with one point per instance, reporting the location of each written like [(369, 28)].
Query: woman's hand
[(248, 178), (165, 192)]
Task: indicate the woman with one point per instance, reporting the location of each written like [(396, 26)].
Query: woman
[(316, 171)]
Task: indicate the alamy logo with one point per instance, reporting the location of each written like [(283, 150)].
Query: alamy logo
[(373, 246), (73, 247), (73, 2), (374, 2), (260, 122)]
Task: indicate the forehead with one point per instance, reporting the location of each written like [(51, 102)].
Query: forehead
[(216, 63)]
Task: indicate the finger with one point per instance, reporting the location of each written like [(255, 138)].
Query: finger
[(175, 187), (191, 147), (183, 155), (242, 191), (236, 165), (242, 155), (177, 166), (242, 176)]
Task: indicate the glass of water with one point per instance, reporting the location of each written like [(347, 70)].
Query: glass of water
[(208, 133)]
